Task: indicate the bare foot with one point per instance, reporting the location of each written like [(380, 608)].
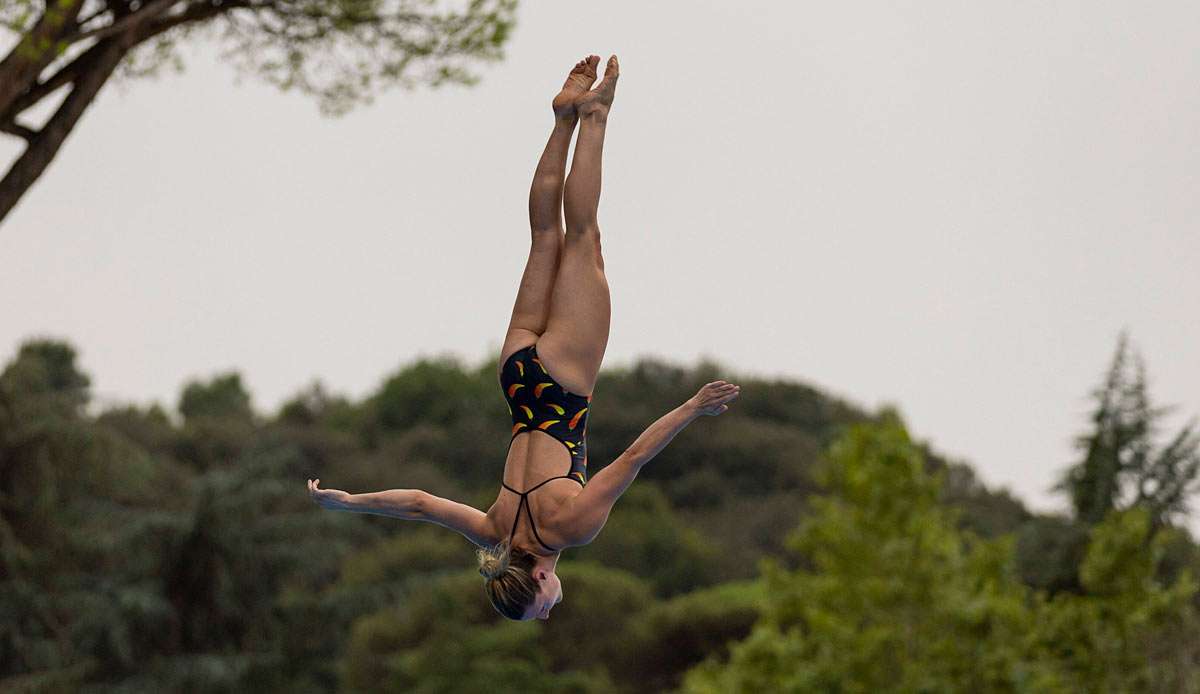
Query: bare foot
[(597, 101), (577, 84)]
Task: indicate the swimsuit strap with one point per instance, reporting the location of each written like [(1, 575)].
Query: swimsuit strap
[(525, 502)]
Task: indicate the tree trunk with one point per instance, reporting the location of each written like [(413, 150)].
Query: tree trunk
[(20, 68), (45, 145)]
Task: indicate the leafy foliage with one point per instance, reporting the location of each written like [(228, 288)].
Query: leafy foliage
[(150, 550), (1121, 467), (894, 597)]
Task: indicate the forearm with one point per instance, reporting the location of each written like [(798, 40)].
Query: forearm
[(659, 434), (395, 503)]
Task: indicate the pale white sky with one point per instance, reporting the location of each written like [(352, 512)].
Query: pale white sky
[(950, 206)]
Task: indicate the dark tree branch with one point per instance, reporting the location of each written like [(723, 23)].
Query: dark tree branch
[(13, 128), (194, 13), (147, 12), (36, 50), (70, 72), (40, 91), (41, 151)]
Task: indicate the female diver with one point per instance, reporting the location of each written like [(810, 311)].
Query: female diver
[(548, 367)]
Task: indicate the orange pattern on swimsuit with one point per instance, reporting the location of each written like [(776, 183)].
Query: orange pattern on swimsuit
[(536, 400)]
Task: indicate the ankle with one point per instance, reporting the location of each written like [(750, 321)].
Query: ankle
[(594, 114)]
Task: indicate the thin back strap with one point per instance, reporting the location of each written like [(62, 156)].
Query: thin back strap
[(533, 527), (528, 511)]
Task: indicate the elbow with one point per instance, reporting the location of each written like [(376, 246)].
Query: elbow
[(633, 458), (419, 505)]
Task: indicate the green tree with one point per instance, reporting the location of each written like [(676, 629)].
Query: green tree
[(1128, 632), (129, 567), (662, 642), (444, 636), (645, 537), (223, 396), (78, 530), (1120, 467), (894, 597), (341, 51), (218, 420)]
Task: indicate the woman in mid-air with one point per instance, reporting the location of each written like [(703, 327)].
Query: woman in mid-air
[(548, 367)]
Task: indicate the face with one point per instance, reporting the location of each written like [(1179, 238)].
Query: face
[(550, 595)]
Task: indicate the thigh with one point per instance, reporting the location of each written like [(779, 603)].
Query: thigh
[(531, 311), (576, 335), (515, 339)]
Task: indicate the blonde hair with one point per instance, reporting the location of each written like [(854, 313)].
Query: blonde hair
[(509, 583)]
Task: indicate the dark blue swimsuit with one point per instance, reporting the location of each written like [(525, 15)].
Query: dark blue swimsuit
[(537, 401)]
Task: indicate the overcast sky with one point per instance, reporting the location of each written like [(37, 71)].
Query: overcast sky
[(949, 206)]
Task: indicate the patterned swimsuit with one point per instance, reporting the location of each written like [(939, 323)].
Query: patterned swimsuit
[(537, 401)]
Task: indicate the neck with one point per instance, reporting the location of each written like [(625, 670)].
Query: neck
[(547, 562)]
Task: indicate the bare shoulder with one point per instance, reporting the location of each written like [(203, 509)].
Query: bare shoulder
[(564, 521)]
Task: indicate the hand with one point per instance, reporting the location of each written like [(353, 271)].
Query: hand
[(712, 397), (334, 499)]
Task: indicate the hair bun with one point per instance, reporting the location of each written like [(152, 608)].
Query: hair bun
[(493, 563)]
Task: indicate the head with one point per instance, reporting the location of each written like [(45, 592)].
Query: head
[(520, 584)]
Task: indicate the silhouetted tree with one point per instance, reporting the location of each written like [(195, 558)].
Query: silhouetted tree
[(341, 51), (1120, 467)]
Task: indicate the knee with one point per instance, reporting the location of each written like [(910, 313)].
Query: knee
[(587, 244), (585, 235)]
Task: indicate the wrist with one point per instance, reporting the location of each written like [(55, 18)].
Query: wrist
[(690, 409)]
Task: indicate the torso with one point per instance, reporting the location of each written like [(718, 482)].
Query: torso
[(533, 457)]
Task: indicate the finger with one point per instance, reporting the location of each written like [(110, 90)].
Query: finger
[(723, 408)]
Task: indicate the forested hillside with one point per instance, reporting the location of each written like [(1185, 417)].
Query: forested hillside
[(795, 543)]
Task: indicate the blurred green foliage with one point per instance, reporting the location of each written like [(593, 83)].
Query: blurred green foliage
[(796, 543), (896, 597)]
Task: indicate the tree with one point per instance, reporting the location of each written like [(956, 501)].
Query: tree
[(663, 641), (442, 635), (340, 51), (1129, 631), (646, 537), (1120, 468), (893, 596), (222, 397)]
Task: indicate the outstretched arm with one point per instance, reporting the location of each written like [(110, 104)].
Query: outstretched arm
[(587, 512), (409, 504)]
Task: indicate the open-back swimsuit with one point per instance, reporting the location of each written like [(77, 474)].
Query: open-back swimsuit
[(537, 401)]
